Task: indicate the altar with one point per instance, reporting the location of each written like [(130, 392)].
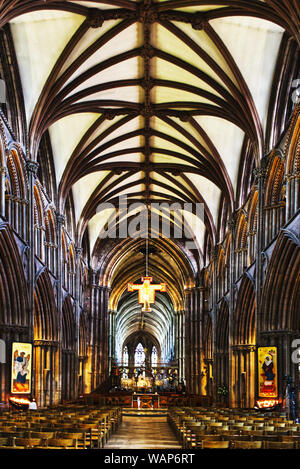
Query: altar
[(145, 401)]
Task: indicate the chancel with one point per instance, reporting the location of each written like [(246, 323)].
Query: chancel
[(149, 224)]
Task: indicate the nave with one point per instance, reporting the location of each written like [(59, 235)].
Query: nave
[(80, 427), (149, 222), (144, 432)]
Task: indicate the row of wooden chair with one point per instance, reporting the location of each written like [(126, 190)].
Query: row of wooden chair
[(72, 427), (227, 428)]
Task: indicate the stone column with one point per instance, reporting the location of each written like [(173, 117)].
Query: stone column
[(197, 296), (259, 174), (78, 253), (231, 362), (181, 363), (201, 349), (188, 345), (3, 173), (32, 168), (176, 337), (60, 220), (93, 350), (214, 323), (111, 339)]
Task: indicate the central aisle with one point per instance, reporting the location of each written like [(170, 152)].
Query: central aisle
[(143, 433)]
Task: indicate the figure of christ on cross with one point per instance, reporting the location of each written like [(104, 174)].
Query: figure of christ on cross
[(147, 292)]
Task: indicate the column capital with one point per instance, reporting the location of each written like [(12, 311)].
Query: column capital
[(232, 221), (78, 251), (60, 218), (32, 167), (259, 173), (215, 252)]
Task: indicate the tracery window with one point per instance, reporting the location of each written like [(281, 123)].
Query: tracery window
[(139, 355), (125, 356), (154, 356)]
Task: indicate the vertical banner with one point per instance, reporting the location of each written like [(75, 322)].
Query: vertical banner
[(267, 372), (21, 367)]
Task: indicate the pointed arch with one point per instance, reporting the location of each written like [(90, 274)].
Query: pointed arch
[(68, 350), (46, 338), (281, 292), (14, 302), (244, 321)]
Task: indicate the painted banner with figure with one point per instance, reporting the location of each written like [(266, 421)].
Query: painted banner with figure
[(21, 368), (267, 372)]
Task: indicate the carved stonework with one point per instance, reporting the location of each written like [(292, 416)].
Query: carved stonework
[(147, 12), (244, 348), (95, 18), (47, 343), (109, 115), (198, 21), (147, 83), (259, 173), (78, 251), (185, 117), (147, 52), (232, 221), (61, 219), (13, 328), (32, 167), (147, 111)]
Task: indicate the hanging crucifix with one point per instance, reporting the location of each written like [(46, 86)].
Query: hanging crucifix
[(147, 292)]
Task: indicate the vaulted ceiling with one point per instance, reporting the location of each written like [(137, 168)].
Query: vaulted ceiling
[(155, 100)]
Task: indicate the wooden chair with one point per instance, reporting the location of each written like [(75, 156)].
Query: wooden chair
[(11, 434), (293, 438), (234, 437), (238, 444), (269, 428), (82, 438), (214, 444), (5, 443), (211, 437), (221, 430), (42, 435), (279, 445), (61, 443), (27, 443)]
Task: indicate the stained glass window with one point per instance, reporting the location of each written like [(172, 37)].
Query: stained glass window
[(139, 356), (125, 356), (154, 356)]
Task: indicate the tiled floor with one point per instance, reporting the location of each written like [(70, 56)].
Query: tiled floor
[(143, 433)]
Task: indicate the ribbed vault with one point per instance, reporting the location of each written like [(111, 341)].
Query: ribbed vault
[(155, 102), (152, 100)]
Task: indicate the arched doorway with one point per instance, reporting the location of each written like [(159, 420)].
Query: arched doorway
[(46, 350), (207, 375), (280, 305), (222, 353), (69, 364), (14, 318), (244, 341)]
